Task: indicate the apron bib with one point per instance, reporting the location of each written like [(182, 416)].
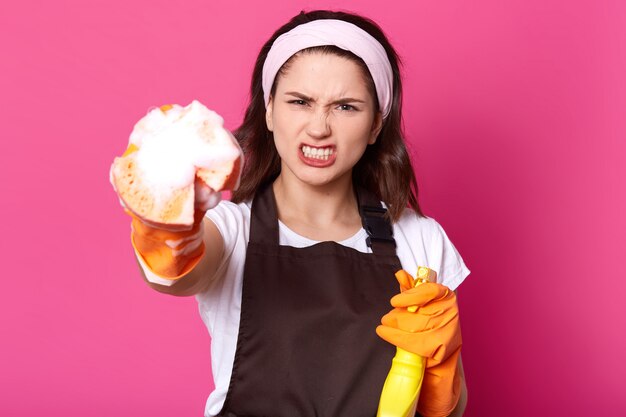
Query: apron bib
[(307, 344)]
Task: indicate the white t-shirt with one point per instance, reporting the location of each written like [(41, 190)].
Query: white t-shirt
[(420, 241)]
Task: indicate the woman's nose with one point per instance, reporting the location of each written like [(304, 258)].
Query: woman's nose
[(319, 125)]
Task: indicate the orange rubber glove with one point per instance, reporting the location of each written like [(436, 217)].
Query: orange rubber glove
[(172, 253), (169, 254), (425, 321)]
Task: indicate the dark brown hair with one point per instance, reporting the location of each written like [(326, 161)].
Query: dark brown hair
[(384, 169)]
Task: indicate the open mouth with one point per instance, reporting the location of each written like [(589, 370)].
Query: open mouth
[(323, 154)]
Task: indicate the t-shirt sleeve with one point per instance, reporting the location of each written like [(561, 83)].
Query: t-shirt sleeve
[(446, 259), (231, 221)]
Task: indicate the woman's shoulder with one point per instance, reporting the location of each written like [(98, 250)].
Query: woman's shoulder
[(412, 222), (231, 219), (422, 241)]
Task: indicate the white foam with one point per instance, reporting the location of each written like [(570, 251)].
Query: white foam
[(173, 144)]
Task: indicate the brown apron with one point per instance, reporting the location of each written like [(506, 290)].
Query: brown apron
[(307, 344)]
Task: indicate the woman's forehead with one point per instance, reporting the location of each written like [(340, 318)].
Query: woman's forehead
[(323, 74)]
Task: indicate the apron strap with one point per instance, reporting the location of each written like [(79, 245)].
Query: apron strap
[(263, 217), (376, 223)]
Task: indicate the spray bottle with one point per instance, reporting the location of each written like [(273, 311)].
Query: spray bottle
[(402, 387)]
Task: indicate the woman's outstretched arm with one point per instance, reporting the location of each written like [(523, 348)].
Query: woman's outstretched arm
[(200, 276)]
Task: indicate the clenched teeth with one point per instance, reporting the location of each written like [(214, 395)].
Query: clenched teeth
[(317, 153)]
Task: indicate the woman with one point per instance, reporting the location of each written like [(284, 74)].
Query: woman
[(293, 276)]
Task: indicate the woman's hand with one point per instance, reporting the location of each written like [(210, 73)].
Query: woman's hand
[(432, 330), (425, 321), (171, 253)]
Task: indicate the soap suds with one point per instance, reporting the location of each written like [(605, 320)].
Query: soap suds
[(173, 144)]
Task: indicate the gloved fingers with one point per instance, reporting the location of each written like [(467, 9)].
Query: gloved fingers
[(439, 307), (419, 345), (148, 231), (413, 322), (149, 226), (442, 328), (157, 234), (421, 295), (186, 250), (205, 197), (185, 243), (435, 344), (405, 280)]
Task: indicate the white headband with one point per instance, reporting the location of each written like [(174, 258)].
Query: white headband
[(338, 33)]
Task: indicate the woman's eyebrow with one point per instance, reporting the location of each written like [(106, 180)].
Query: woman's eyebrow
[(299, 95), (342, 100), (348, 100)]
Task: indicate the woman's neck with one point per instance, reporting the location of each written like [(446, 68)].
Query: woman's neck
[(327, 212)]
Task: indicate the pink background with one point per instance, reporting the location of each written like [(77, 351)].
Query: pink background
[(515, 115)]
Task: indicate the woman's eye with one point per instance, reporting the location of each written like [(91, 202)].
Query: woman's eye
[(298, 102), (347, 107)]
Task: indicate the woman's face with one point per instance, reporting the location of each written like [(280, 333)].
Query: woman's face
[(323, 117)]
